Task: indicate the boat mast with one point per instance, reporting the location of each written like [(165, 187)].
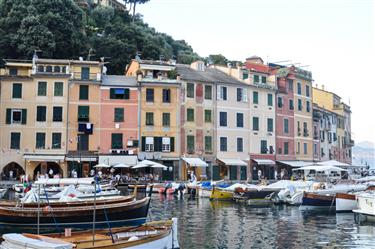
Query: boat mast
[(94, 215), (38, 208)]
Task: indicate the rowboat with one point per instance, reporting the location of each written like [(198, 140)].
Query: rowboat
[(221, 194), (314, 201), (153, 235), (122, 213)]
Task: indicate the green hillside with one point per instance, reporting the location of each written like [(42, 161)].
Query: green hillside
[(61, 29)]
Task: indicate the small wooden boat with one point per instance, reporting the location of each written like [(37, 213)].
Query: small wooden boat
[(221, 194), (122, 213), (153, 235), (254, 196), (314, 201)]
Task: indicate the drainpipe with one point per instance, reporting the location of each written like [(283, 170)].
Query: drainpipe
[(139, 115), (67, 123)]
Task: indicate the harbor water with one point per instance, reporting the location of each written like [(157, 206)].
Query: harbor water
[(212, 224)]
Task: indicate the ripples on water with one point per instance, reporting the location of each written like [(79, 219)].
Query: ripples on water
[(220, 225), (206, 224)]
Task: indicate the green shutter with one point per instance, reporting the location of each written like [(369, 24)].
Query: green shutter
[(9, 116), (143, 145), (255, 97), (270, 100), (17, 91), (112, 93), (127, 93), (270, 125), (172, 144), (24, 116), (119, 115), (255, 123)]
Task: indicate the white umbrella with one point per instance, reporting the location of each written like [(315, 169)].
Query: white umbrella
[(158, 165), (147, 162), (102, 165), (139, 165), (121, 165)]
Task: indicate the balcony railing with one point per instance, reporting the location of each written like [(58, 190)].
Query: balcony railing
[(86, 76)]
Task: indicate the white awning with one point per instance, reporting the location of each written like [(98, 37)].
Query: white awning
[(333, 163), (81, 159), (116, 159), (321, 168), (43, 158), (296, 164), (264, 161), (232, 161), (195, 162)]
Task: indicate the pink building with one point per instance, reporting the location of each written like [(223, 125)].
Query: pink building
[(118, 120), (285, 118)]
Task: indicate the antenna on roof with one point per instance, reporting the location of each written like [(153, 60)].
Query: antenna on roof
[(138, 56)]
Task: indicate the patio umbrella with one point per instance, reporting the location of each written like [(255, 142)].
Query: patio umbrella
[(158, 165), (147, 162), (121, 165), (139, 165), (102, 165)]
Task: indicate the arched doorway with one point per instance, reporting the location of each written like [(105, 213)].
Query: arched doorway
[(46, 167), (12, 171)]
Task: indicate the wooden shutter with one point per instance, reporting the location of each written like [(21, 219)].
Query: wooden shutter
[(8, 116), (172, 144), (143, 148), (126, 93), (24, 116)]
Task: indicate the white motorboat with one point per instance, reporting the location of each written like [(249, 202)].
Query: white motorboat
[(366, 206)]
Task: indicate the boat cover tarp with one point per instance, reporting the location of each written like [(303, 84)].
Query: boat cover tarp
[(243, 186), (282, 184), (66, 181), (19, 241)]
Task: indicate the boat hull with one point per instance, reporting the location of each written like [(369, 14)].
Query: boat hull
[(122, 214), (221, 195), (311, 201), (345, 202)]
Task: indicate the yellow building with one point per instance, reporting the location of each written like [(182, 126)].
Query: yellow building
[(83, 141), (303, 113), (158, 113), (33, 108), (332, 102)]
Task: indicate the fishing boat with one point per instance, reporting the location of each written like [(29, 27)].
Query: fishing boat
[(221, 194), (153, 235), (315, 201), (254, 196)]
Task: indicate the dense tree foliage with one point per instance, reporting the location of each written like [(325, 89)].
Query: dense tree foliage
[(61, 29)]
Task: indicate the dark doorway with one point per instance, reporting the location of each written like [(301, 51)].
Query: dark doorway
[(45, 167), (12, 171)]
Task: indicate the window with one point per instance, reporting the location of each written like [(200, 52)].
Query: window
[(208, 143), (119, 115), (291, 104), (270, 124), (85, 73), (149, 144), (190, 90), (16, 116), (269, 99), (239, 94), (286, 126), (245, 75), (222, 94), (166, 119), (240, 120), (308, 106), (56, 69), (264, 80), (298, 148), (298, 128), (41, 113), (305, 148), (315, 149), (166, 95), (15, 140), (190, 114), (255, 98), (57, 114), (207, 92), (239, 144), (42, 88), (299, 105), (223, 144), (223, 118), (279, 102), (40, 140), (305, 131), (117, 141), (149, 95), (256, 78), (286, 148), (83, 113), (207, 116), (49, 69), (190, 143), (255, 124), (166, 144), (83, 92), (59, 89), (149, 118), (299, 88), (56, 140), (119, 93), (290, 85), (263, 147), (13, 71), (307, 91), (17, 91)]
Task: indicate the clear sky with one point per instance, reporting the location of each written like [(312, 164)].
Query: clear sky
[(334, 37)]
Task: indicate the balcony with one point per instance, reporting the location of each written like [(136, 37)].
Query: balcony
[(86, 76)]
